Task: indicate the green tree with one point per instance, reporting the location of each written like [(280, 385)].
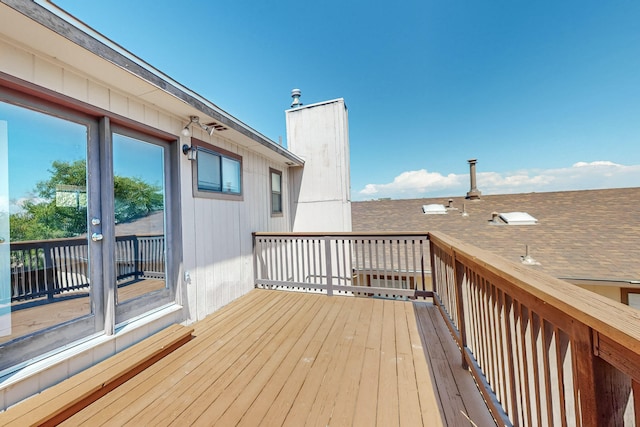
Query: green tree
[(135, 198), (46, 219)]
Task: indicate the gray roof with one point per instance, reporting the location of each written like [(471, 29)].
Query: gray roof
[(588, 235)]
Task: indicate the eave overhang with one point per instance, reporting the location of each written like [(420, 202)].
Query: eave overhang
[(105, 60)]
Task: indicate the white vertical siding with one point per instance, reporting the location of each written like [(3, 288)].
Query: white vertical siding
[(221, 230), (74, 85), (48, 75), (216, 234), (16, 61)]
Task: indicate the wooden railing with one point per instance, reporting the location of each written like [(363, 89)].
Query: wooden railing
[(139, 257), (542, 351), (48, 267), (390, 265), (52, 267)]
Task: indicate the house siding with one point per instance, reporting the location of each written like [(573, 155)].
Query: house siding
[(216, 234)]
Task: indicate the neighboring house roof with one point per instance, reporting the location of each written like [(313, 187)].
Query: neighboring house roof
[(586, 235)]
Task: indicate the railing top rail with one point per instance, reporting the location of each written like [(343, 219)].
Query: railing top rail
[(385, 234), (614, 320), (76, 240), (39, 243)]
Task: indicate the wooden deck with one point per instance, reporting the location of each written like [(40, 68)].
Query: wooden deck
[(38, 314), (286, 358)]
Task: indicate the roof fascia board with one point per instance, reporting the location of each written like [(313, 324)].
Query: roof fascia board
[(57, 20)]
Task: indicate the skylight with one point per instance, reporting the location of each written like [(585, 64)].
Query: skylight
[(434, 209), (518, 218)]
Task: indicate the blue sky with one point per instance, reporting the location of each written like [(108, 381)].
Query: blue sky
[(546, 94)]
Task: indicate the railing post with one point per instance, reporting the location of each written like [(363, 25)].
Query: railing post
[(604, 390), (255, 260), (49, 273), (584, 363), (434, 281), (327, 254), (458, 273), (136, 257)]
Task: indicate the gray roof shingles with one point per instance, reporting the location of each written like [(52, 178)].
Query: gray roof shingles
[(590, 234)]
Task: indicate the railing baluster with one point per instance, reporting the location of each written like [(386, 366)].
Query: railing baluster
[(327, 245), (512, 358), (278, 272), (459, 277), (501, 360), (525, 395)]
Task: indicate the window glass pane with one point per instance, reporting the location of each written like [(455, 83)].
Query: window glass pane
[(44, 252), (139, 197), (634, 300), (208, 171), (231, 175), (276, 203), (275, 182), (276, 192)]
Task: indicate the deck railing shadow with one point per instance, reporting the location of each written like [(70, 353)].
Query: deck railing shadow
[(543, 352)]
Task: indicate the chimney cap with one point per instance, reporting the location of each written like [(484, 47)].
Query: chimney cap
[(295, 94)]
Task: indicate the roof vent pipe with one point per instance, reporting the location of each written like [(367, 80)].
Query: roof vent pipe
[(528, 259), (473, 193), (295, 94)]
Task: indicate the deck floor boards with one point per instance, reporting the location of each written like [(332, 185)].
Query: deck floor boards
[(285, 358)]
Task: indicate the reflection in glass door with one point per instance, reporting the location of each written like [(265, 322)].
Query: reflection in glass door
[(44, 260), (5, 285), (139, 204)]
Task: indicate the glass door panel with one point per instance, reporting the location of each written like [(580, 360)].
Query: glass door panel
[(139, 203), (5, 285), (44, 259)]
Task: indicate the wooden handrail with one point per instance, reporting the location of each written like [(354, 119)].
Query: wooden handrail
[(544, 351), (617, 322), (346, 234)]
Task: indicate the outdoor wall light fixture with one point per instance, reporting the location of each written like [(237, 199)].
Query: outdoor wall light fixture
[(196, 120), (190, 151)]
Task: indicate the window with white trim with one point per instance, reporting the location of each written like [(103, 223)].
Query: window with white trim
[(276, 192)]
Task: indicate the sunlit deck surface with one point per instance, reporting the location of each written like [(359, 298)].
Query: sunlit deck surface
[(288, 358)]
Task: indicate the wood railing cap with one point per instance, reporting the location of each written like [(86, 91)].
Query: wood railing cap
[(617, 321)]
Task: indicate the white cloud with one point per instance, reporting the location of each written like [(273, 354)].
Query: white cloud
[(580, 176), (17, 205), (409, 183)]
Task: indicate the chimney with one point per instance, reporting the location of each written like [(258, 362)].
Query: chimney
[(295, 94), (473, 193)]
